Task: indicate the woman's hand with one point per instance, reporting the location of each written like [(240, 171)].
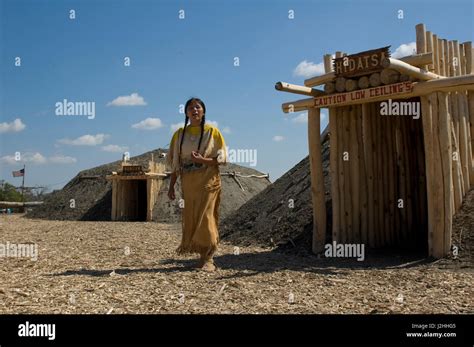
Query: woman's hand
[(196, 157)]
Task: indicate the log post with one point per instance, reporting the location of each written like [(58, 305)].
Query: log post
[(429, 165), (114, 200), (348, 157), (438, 186), (429, 48), (420, 39), (333, 159), (354, 162), (317, 180), (446, 155), (435, 51), (368, 148)]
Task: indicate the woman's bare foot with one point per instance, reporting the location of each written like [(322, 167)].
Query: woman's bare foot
[(208, 266)]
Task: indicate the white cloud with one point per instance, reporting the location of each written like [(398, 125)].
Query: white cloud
[(278, 138), (301, 118), (308, 69), (15, 126), (404, 49), (9, 159), (148, 124), (114, 148), (60, 159), (36, 158), (85, 140), (226, 130), (128, 100)]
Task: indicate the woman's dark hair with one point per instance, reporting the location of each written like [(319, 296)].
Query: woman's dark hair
[(203, 120)]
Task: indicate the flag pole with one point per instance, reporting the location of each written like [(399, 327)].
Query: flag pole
[(23, 185)]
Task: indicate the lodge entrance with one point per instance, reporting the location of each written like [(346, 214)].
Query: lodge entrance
[(396, 180)]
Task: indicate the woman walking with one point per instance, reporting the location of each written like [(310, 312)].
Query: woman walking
[(195, 152)]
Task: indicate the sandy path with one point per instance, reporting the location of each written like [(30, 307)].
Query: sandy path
[(119, 267)]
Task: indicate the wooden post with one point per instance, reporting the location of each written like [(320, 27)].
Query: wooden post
[(385, 174), (317, 180), (463, 126), (435, 51), (465, 61), (354, 175), (438, 186), (421, 39), (442, 69), (446, 158), (380, 184), (333, 160), (347, 233), (391, 179), (114, 200), (429, 48), (429, 166), (368, 153), (340, 164)]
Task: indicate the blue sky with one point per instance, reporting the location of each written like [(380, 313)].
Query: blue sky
[(172, 59)]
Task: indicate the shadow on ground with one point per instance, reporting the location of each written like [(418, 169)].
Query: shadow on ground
[(249, 264)]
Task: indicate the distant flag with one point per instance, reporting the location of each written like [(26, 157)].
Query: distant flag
[(19, 173)]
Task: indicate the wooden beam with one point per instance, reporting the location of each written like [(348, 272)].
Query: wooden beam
[(407, 69), (317, 180), (318, 80), (418, 59), (296, 89), (444, 85), (298, 105)]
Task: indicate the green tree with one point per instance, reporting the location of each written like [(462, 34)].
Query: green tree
[(8, 192)]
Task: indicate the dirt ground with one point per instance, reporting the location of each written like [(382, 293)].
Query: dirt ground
[(123, 267)]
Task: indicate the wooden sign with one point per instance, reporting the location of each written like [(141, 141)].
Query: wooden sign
[(362, 63), (364, 95)]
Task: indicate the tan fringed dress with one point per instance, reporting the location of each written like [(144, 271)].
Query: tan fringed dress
[(201, 187)]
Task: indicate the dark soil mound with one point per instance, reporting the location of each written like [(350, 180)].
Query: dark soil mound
[(93, 195), (282, 213)]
